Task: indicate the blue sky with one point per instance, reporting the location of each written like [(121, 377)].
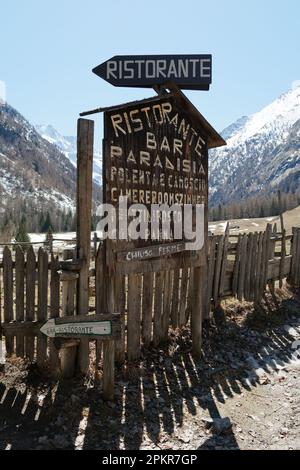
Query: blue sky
[(49, 48)]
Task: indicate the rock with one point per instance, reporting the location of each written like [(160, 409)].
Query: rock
[(43, 440), (291, 331), (221, 425), (207, 422), (218, 425)]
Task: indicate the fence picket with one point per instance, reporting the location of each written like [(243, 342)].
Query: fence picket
[(134, 317), (183, 296), (147, 308), (8, 296), (158, 308), (218, 269), (19, 276), (42, 304), (175, 299), (236, 266)]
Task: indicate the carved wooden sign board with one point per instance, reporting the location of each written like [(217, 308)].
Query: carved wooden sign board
[(156, 152), (189, 71)]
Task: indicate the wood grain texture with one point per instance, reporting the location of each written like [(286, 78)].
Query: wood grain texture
[(20, 292), (85, 150), (8, 295)]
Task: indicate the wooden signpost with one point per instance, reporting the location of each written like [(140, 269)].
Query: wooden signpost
[(155, 153)]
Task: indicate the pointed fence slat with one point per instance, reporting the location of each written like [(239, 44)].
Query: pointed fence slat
[(224, 261), (147, 308), (243, 258), (183, 296), (42, 304), (210, 271), (120, 308), (236, 266), (134, 317), (54, 308), (8, 295), (158, 308), (175, 298), (166, 305), (248, 266), (20, 285), (282, 258), (253, 265), (30, 299), (218, 266)]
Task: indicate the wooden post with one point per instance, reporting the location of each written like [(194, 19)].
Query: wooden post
[(85, 142)]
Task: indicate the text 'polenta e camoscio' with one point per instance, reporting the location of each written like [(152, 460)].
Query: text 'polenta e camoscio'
[(168, 160)]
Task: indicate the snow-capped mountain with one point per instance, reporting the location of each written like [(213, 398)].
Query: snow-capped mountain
[(68, 144), (262, 152), (32, 169)]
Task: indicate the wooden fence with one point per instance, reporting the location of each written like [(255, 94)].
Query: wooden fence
[(32, 290)]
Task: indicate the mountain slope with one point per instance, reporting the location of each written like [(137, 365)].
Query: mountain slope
[(262, 152), (31, 168), (68, 145)]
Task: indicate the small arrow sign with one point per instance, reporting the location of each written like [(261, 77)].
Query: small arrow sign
[(57, 328), (190, 72)]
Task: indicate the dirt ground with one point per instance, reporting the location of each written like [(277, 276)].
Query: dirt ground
[(244, 393)]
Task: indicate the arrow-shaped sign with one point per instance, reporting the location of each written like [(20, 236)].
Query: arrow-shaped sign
[(190, 72), (80, 327)]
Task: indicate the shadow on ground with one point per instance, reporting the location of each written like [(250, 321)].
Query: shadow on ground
[(159, 401)]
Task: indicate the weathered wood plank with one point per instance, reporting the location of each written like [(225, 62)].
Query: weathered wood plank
[(166, 305), (158, 306), (54, 310), (42, 304), (210, 271), (253, 273), (197, 312), (259, 266), (108, 370), (147, 308), (236, 266), (218, 266), (282, 258), (243, 258), (8, 295), (175, 298), (293, 253), (120, 299), (224, 261), (134, 317), (183, 296), (248, 266), (30, 298), (20, 287), (85, 145)]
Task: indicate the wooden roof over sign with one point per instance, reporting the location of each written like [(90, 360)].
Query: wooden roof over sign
[(213, 137)]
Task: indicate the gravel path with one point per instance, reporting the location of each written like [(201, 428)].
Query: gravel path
[(244, 393)]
